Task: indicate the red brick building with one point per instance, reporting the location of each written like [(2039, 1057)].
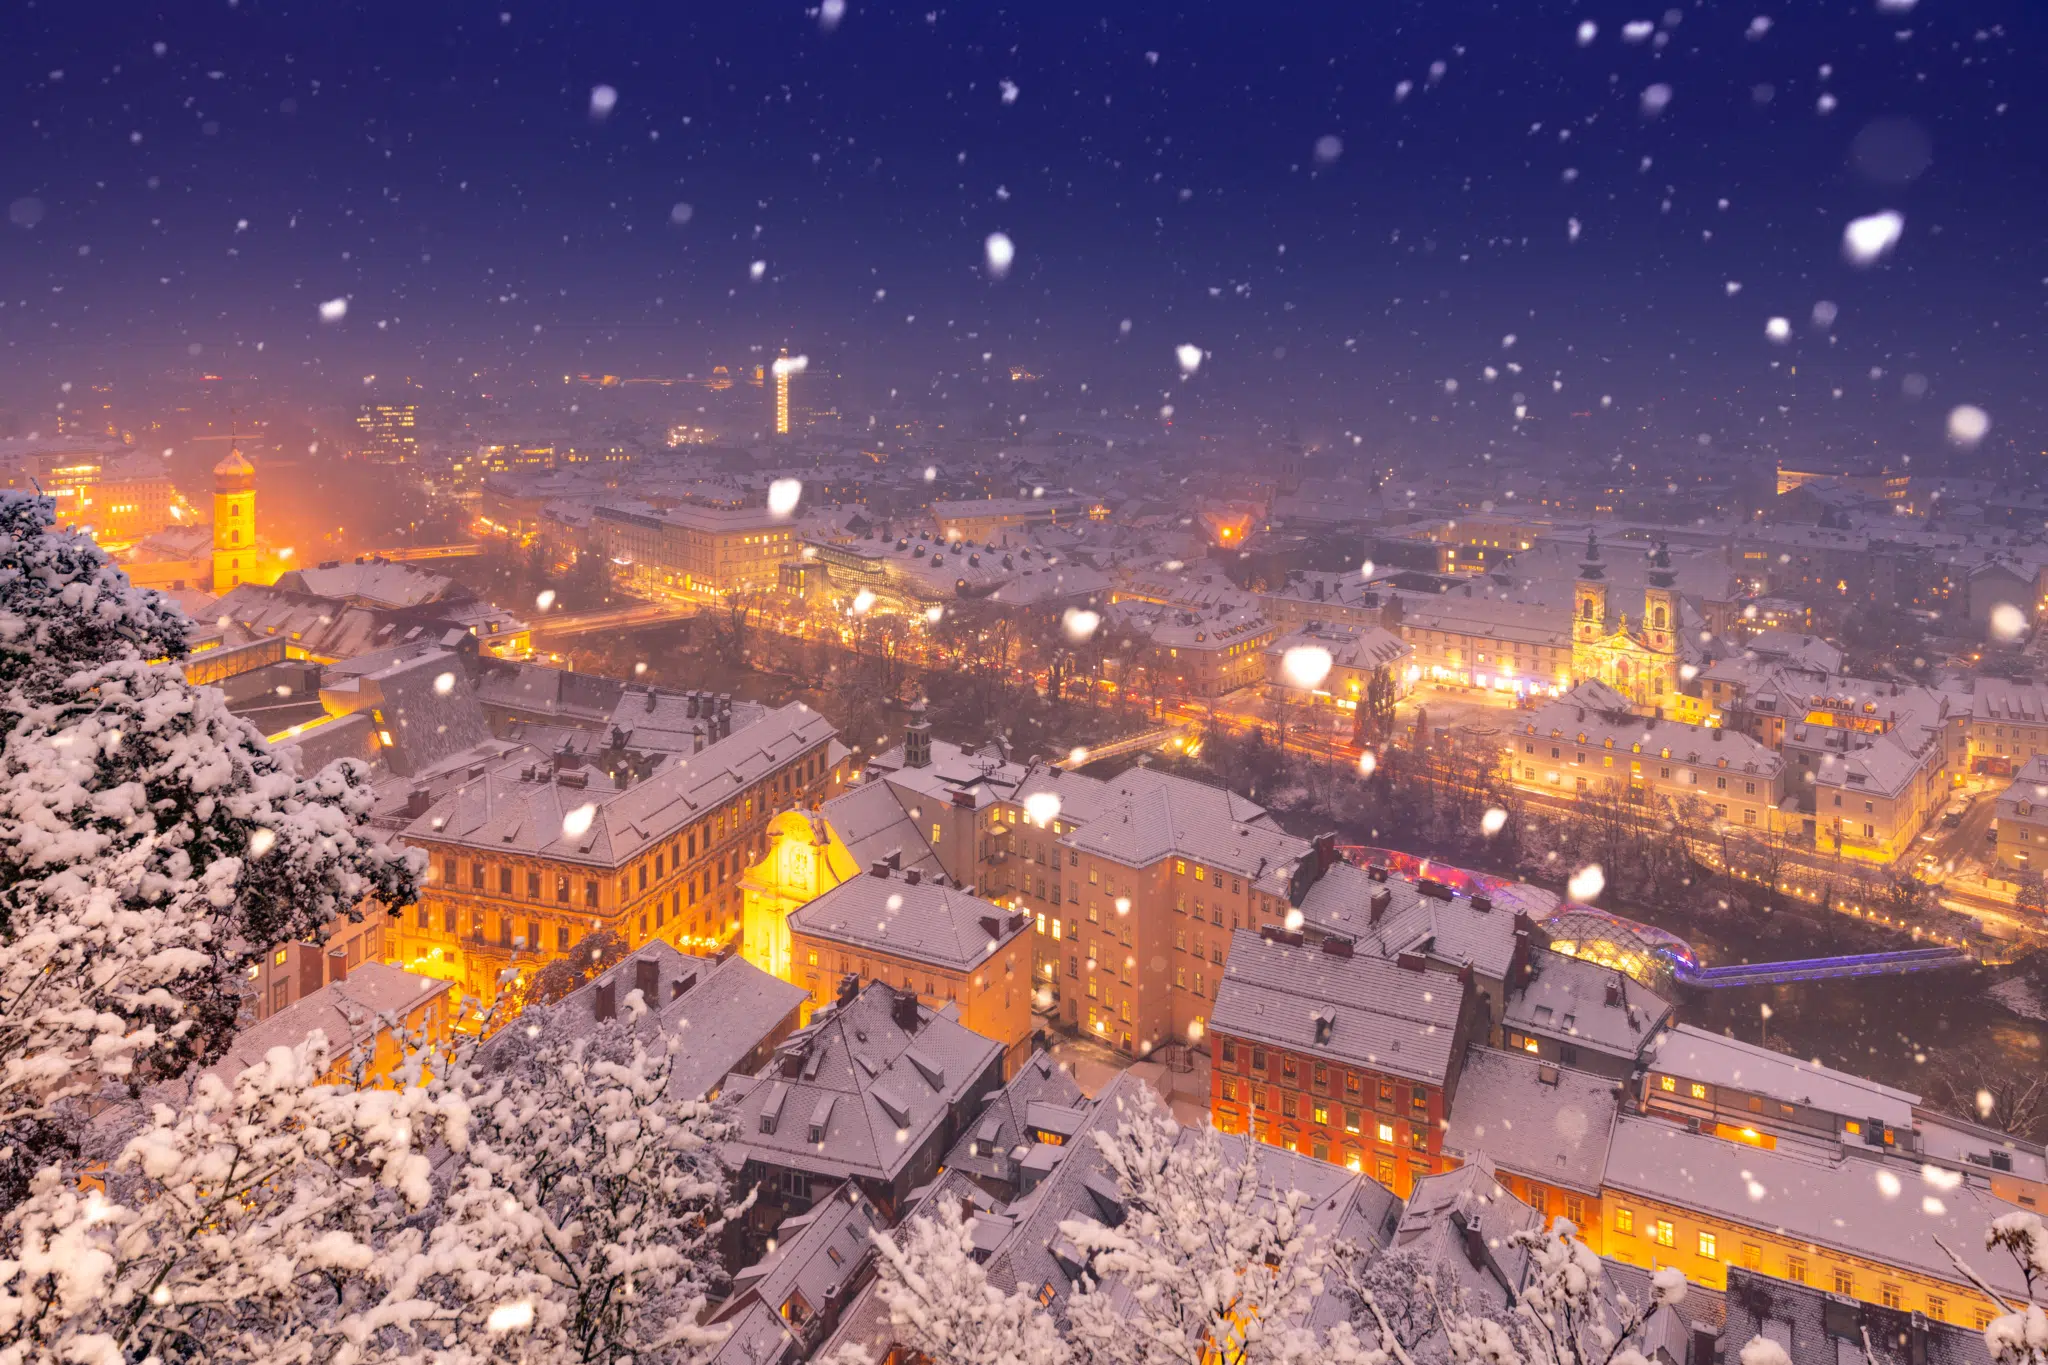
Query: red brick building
[(1351, 1059)]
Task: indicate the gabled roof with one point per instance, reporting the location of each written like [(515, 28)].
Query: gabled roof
[(1358, 1011), (920, 920), (1566, 998), (815, 1258), (348, 1011), (1540, 1120), (874, 1091), (724, 1009), (989, 1145)]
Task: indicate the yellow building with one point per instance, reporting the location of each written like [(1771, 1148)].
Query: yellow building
[(1640, 662), (946, 946), (805, 860), (355, 1014), (526, 859)]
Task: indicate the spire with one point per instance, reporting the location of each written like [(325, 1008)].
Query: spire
[(1590, 566), (1661, 575)]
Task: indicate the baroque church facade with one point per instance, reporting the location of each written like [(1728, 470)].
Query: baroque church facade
[(1640, 657)]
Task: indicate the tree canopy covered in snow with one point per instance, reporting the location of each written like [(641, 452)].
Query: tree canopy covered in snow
[(152, 845)]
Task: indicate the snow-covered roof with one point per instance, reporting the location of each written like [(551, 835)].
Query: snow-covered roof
[(1567, 998), (873, 1090), (1359, 1011), (1795, 1193), (525, 811), (987, 1144), (1693, 1054), (1535, 1118), (723, 1009), (909, 917), (816, 1256), (348, 1011)]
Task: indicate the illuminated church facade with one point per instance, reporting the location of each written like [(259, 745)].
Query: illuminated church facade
[(1641, 658)]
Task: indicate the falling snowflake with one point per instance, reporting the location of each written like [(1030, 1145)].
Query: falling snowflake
[(334, 310), (1867, 240), (1000, 252), (784, 494)]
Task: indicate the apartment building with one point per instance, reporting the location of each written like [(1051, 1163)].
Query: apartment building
[(1490, 644), (1566, 748), (2008, 725), (1343, 1057), (2022, 819), (1357, 653), (1207, 656), (945, 946), (1544, 1128), (530, 852), (693, 551)]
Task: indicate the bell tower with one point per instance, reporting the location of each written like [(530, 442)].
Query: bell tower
[(234, 521), (1660, 602), (1589, 602)]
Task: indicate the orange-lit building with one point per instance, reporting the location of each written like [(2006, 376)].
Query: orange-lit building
[(1347, 1058), (527, 858), (354, 1013)]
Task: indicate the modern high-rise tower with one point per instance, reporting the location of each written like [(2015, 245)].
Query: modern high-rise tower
[(234, 520), (782, 368)]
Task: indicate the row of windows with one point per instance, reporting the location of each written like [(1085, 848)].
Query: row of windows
[(1385, 1089)]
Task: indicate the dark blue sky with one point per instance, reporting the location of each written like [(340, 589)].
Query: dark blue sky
[(437, 163)]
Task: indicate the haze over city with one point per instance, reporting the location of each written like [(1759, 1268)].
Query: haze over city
[(1140, 685)]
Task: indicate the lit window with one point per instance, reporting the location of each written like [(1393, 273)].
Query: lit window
[(1666, 1083), (1386, 1132), (1707, 1245), (1625, 1221), (1662, 1233), (1699, 1092)]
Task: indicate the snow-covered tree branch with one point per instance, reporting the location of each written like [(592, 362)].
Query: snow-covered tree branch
[(151, 843), (1567, 1313), (943, 1305)]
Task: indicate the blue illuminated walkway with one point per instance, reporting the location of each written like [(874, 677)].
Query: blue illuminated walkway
[(1821, 968)]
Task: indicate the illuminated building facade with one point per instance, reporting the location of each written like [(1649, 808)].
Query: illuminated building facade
[(388, 433), (805, 859), (691, 550), (1642, 662), (945, 946), (1207, 656), (526, 858), (782, 369), (236, 558), (1303, 1055)]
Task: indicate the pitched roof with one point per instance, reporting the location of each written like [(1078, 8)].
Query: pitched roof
[(873, 1090), (1540, 1120), (1359, 1010), (525, 811), (347, 1011), (1566, 998), (725, 1009), (917, 919)]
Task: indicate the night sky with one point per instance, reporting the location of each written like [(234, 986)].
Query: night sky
[(207, 174)]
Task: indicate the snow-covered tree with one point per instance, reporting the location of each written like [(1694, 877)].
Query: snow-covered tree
[(1567, 1313), (942, 1305), (275, 1218), (1208, 1264), (589, 1204), (1399, 1292), (2019, 1334), (151, 843)]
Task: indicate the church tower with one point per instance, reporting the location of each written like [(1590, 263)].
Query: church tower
[(1660, 602), (234, 521), (1589, 602)]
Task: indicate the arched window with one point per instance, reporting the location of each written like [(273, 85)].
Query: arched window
[(234, 509), (1660, 618), (1586, 609), (234, 563), (235, 536)]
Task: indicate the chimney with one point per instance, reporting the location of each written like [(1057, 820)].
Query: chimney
[(653, 694), (606, 1002), (849, 987), (992, 926), (694, 704), (1475, 1241), (912, 877), (904, 1012), (1381, 899), (1337, 947), (879, 868), (647, 980), (1613, 995), (337, 964), (416, 802), (1326, 851), (1483, 904)]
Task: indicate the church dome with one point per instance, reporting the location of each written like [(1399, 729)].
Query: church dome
[(234, 474)]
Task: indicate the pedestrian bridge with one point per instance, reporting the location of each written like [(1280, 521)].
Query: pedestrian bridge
[(1821, 968)]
